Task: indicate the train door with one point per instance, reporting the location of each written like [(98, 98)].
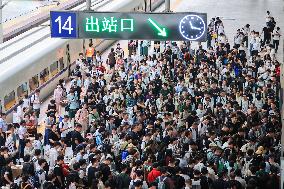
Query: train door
[(68, 59)]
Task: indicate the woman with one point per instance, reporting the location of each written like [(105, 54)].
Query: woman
[(30, 124), (82, 117), (51, 108), (58, 97)]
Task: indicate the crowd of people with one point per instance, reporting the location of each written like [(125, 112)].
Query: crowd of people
[(169, 118)]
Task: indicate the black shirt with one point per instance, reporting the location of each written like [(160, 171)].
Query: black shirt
[(7, 171), (58, 172), (72, 136), (91, 175), (104, 168)]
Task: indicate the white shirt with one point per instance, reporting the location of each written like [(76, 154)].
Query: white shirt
[(64, 125), (53, 154), (26, 103), (22, 132), (276, 34), (36, 102), (202, 128)]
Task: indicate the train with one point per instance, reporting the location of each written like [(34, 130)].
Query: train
[(34, 60)]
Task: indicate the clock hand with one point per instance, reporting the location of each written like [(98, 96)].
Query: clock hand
[(194, 28), (191, 24)]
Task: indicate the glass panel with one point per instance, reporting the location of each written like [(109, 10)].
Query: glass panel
[(54, 68), (44, 75), (33, 83), (22, 90), (9, 100)]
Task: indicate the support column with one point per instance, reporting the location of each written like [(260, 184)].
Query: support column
[(167, 5), (88, 4)]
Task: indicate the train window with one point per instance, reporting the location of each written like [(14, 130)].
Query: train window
[(22, 90), (33, 82), (9, 100), (61, 63), (44, 75), (54, 68)]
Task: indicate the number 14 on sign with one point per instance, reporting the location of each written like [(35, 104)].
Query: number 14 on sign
[(67, 25)]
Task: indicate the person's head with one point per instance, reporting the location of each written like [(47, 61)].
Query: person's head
[(28, 143), (27, 158), (66, 118), (78, 127), (60, 159), (42, 163), (23, 123), (90, 44), (37, 152)]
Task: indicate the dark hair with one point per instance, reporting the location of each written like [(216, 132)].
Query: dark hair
[(60, 157), (41, 161), (27, 158), (37, 152)]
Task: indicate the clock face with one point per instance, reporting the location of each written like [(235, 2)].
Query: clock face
[(192, 27)]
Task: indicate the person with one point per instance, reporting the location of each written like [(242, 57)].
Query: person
[(64, 126), (3, 123), (123, 179), (90, 53), (58, 97), (22, 133), (74, 137), (58, 172), (73, 105), (168, 120), (82, 117), (276, 37), (111, 58), (35, 102), (6, 174)]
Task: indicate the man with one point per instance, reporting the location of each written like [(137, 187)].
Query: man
[(163, 181), (35, 102), (7, 173), (203, 126), (74, 137), (276, 37), (220, 183), (22, 133), (64, 126), (123, 179), (92, 170), (154, 173), (58, 171), (233, 183), (3, 123), (90, 53), (111, 58), (40, 171)]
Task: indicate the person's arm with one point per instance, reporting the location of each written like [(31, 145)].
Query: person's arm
[(7, 178)]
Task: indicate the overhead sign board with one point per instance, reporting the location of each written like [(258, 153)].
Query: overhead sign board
[(115, 25)]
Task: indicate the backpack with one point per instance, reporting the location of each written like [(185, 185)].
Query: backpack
[(161, 183), (196, 184)]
